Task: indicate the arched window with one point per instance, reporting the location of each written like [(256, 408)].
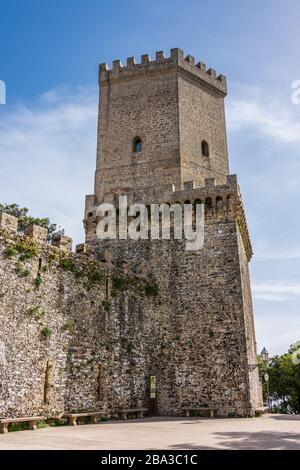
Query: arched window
[(205, 148), (137, 145)]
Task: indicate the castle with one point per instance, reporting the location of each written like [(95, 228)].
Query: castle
[(124, 323)]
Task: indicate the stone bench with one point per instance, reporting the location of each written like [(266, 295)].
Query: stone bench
[(72, 417), (136, 411), (200, 409), (261, 411), (4, 422)]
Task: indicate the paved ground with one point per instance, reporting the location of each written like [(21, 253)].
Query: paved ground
[(268, 432)]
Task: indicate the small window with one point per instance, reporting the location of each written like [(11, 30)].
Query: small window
[(205, 149), (137, 145)]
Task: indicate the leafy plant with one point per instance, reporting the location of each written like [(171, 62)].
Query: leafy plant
[(36, 312), (21, 271), (95, 276), (27, 249), (14, 427), (11, 252), (38, 281), (151, 290), (46, 332), (106, 305), (67, 264), (68, 326), (41, 425), (284, 380), (119, 283)]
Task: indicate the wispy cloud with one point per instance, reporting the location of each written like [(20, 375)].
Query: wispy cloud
[(276, 291), (47, 151), (293, 254), (256, 109)]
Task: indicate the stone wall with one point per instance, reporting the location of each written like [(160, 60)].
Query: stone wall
[(172, 104), (201, 117), (81, 334), (70, 339), (204, 351)]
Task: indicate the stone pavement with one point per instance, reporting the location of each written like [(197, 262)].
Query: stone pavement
[(269, 432)]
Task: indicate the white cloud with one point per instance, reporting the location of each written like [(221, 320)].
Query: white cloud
[(47, 152), (276, 291), (273, 255), (256, 109), (271, 297)]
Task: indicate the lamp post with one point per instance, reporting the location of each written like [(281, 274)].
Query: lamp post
[(265, 357)]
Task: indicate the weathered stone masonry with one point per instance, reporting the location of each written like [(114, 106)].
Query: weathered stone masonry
[(85, 331), (174, 106), (99, 322)]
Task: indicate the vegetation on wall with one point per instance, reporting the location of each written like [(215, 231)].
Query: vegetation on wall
[(25, 220), (46, 332)]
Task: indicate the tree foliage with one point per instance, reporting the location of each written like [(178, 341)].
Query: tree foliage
[(25, 220), (284, 379)]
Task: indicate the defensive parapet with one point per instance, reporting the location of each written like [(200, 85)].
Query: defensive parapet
[(33, 244), (220, 201), (9, 226), (176, 59)]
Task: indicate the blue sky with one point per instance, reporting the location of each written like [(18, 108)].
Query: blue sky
[(49, 56)]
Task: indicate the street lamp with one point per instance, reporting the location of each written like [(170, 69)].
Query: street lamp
[(265, 357)]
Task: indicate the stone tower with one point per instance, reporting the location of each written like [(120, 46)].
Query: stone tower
[(162, 139)]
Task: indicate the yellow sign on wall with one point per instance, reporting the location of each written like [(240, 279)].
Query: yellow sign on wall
[(152, 386)]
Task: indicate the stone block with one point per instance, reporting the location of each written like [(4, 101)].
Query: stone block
[(63, 242), (36, 232), (8, 222)]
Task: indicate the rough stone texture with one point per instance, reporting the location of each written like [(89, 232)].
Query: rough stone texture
[(8, 222), (172, 105), (36, 232), (205, 337), (97, 357), (203, 354), (81, 332)]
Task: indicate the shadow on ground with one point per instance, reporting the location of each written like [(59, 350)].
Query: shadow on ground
[(285, 417), (253, 441)]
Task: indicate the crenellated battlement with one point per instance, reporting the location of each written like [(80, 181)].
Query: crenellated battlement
[(34, 240), (38, 234), (221, 202), (176, 58)]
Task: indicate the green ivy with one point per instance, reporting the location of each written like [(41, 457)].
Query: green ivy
[(27, 249), (68, 326), (106, 305), (67, 264), (36, 312), (38, 281), (46, 332), (151, 290), (10, 252), (21, 271)]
